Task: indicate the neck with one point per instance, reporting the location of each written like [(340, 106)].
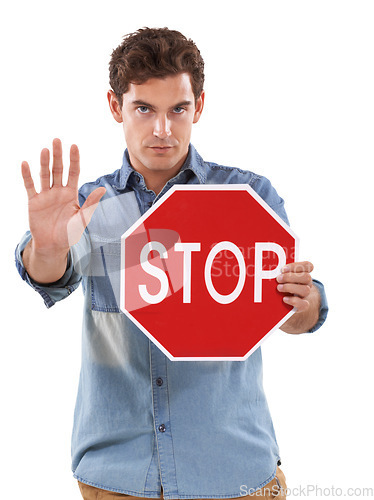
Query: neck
[(155, 180)]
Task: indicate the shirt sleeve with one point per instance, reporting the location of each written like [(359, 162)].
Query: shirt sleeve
[(264, 188), (323, 310), (267, 192), (53, 292)]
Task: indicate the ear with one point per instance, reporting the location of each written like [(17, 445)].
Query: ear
[(114, 106), (199, 107)]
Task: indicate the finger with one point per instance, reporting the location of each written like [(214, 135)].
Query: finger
[(298, 267), (301, 278), (27, 180), (45, 175), (301, 305), (295, 289), (57, 163), (74, 167), (90, 204)]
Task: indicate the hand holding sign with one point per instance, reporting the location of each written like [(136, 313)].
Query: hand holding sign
[(296, 281)]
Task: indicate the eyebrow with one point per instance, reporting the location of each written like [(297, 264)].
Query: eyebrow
[(148, 105)]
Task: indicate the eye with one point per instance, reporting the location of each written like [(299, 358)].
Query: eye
[(143, 109), (178, 110)]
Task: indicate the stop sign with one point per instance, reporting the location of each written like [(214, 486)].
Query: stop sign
[(198, 272)]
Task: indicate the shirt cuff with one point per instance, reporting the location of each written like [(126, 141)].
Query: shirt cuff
[(50, 292), (323, 309)]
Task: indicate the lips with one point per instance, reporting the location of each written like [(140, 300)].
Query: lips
[(161, 149)]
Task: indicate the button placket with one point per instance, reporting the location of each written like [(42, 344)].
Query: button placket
[(161, 411)]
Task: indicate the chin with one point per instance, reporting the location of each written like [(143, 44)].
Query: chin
[(161, 163)]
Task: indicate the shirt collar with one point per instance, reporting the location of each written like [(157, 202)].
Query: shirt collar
[(193, 162)]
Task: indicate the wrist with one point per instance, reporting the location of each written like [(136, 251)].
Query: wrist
[(44, 265), (50, 253)]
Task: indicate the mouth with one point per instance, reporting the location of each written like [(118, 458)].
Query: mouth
[(161, 149)]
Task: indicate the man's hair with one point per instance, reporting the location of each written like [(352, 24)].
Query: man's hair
[(154, 53)]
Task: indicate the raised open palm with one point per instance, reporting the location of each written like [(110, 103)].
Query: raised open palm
[(56, 220)]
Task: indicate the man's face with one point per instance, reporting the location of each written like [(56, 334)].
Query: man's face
[(157, 120)]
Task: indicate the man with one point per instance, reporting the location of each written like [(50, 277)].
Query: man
[(144, 425)]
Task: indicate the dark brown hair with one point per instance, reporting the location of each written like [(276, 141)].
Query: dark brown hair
[(154, 53)]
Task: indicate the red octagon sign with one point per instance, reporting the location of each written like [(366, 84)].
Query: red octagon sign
[(198, 272)]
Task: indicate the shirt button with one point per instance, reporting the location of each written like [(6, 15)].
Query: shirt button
[(149, 203), (159, 381), (162, 428), (137, 178)]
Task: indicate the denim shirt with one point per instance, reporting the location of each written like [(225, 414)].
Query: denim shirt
[(198, 429)]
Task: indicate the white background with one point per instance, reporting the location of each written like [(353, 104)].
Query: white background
[(289, 95)]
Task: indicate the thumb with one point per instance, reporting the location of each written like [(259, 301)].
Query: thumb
[(81, 219), (91, 204)]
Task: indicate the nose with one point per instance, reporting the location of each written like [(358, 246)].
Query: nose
[(162, 127)]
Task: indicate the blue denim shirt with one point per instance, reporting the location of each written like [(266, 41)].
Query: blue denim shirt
[(199, 429)]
